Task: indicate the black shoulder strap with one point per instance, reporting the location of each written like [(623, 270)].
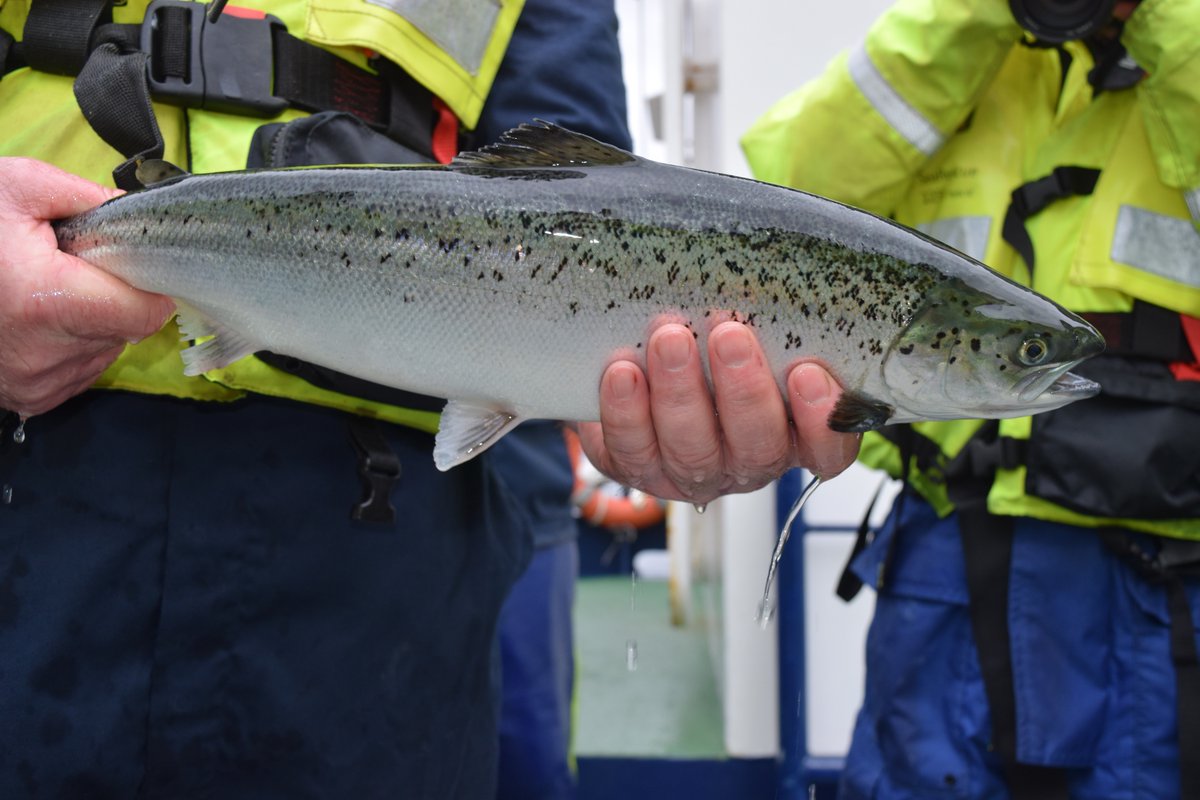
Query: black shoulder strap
[(229, 62), (987, 542), (57, 36), (1030, 198), (10, 57), (111, 92)]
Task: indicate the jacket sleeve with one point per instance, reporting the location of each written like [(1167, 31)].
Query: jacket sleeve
[(861, 130), (1163, 36)]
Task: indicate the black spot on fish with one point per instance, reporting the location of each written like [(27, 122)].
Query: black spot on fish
[(906, 349), (975, 345)]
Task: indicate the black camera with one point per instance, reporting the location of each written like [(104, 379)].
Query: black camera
[(1057, 21)]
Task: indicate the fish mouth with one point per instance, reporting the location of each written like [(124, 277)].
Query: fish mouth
[(1056, 382), (1075, 387)]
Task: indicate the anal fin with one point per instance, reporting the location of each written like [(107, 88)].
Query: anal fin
[(466, 431), (225, 346)]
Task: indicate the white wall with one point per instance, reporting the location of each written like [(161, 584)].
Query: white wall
[(760, 49)]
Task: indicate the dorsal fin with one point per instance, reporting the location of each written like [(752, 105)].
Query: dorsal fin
[(543, 144), (156, 172)]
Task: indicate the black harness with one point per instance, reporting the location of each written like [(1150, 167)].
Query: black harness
[(234, 62)]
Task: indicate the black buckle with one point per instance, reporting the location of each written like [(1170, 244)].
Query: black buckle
[(227, 65), (379, 468)]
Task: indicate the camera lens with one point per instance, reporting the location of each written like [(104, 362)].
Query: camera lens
[(1062, 20)]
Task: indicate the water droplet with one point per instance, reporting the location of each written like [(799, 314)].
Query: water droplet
[(631, 657), (700, 507), (6, 495), (19, 433)]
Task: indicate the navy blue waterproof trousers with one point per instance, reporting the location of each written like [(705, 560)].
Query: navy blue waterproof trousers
[(188, 611), (1093, 679)]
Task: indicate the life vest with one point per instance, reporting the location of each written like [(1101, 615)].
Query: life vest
[(427, 67), (1097, 185)]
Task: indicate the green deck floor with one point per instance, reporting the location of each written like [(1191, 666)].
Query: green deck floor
[(666, 708)]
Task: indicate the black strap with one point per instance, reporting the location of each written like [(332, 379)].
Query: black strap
[(906, 438), (1114, 69), (112, 94), (1187, 686), (849, 584), (987, 542), (379, 468), (58, 33), (1173, 561), (236, 64), (392, 101), (10, 57), (1030, 198), (1148, 331)]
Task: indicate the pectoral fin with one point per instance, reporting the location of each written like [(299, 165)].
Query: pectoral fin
[(857, 413), (466, 431)]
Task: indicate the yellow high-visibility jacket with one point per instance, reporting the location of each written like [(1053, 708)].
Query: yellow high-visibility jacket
[(943, 111)]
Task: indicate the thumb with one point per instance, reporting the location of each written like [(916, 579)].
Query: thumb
[(36, 190), (90, 303)]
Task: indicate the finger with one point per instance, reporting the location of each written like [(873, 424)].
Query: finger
[(37, 394), (38, 190), (813, 394), (624, 445), (753, 418), (685, 421), (86, 302)]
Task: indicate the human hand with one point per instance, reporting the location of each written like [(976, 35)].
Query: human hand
[(62, 321), (662, 431)]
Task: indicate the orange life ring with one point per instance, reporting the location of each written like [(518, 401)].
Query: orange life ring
[(604, 502)]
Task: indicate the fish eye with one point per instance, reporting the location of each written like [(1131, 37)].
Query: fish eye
[(1033, 352)]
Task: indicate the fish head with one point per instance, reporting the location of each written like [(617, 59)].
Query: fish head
[(974, 353)]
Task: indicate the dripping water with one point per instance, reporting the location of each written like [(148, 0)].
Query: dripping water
[(765, 608)]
